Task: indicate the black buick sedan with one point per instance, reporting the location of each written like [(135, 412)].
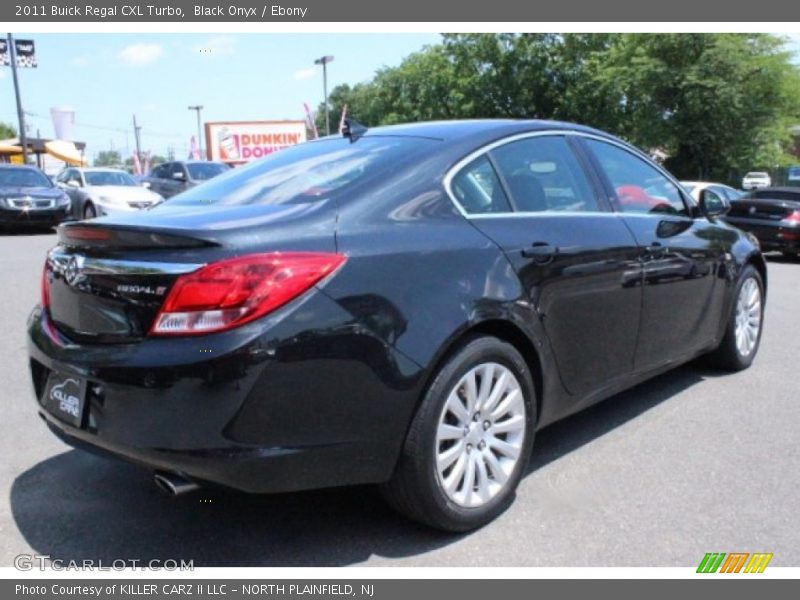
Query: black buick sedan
[(403, 306)]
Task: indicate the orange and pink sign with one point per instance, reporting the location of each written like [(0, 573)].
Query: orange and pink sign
[(238, 142)]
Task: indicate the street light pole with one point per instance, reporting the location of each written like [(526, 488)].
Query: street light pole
[(137, 138), (23, 137), (324, 60), (198, 108)]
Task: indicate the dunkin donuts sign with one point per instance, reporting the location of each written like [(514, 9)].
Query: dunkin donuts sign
[(239, 142)]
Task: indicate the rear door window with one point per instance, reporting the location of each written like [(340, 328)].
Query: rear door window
[(543, 174)]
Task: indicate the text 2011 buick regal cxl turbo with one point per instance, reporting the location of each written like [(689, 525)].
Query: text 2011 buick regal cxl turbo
[(402, 305)]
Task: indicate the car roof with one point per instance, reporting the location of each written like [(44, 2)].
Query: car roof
[(790, 189), (194, 162), (99, 169), (478, 128)]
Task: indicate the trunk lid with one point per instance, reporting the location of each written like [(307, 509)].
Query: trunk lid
[(108, 278), (762, 209)]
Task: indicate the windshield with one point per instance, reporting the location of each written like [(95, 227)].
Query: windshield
[(203, 171), (23, 178), (108, 178), (307, 172), (757, 175)]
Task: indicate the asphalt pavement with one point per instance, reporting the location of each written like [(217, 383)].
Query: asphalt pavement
[(694, 461)]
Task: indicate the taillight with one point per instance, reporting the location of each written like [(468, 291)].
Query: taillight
[(231, 292), (87, 233), (793, 217), (45, 288)]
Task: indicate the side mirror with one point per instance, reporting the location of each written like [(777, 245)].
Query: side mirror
[(712, 205), (179, 176), (73, 184), (146, 184)]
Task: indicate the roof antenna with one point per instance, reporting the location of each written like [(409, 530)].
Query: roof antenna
[(353, 129)]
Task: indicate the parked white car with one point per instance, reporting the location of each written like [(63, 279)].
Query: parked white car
[(98, 191), (725, 192), (755, 180)]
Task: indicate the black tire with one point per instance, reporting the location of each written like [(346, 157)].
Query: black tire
[(727, 355), (415, 489), (89, 211)]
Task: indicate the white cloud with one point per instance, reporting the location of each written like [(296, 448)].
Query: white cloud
[(80, 61), (150, 107), (137, 55), (304, 73), (216, 45)]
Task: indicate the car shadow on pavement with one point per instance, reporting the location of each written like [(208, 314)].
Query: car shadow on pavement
[(76, 506), (26, 230), (780, 258), (567, 435)]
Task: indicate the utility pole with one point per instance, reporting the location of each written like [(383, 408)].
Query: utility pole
[(198, 108), (324, 60), (23, 137), (137, 138)]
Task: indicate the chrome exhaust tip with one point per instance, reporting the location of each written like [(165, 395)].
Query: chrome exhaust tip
[(173, 484)]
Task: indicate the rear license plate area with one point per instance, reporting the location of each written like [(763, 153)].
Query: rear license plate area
[(65, 398)]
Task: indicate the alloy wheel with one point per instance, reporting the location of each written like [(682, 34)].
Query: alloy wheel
[(480, 435), (748, 317)]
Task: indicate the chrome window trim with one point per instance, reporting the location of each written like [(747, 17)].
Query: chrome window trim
[(456, 168), (105, 266)]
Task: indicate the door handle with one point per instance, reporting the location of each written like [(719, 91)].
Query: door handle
[(540, 252)]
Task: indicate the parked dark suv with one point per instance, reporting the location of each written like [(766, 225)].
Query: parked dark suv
[(174, 177), (403, 306), (29, 198)]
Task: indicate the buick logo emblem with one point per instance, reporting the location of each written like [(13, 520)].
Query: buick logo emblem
[(752, 210), (73, 273)]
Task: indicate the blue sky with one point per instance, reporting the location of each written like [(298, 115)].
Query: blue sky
[(107, 78)]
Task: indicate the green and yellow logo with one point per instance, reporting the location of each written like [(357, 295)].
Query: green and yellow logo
[(734, 562)]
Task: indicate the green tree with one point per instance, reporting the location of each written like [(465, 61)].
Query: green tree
[(107, 158), (716, 104), (7, 131)]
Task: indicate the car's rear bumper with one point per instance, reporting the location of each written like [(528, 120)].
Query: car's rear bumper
[(771, 235), (269, 407)]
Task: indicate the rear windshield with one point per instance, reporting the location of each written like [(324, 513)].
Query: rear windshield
[(307, 172), (759, 175), (203, 171), (23, 178), (108, 178)]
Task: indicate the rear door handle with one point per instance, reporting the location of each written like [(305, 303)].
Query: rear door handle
[(541, 252), (655, 250)]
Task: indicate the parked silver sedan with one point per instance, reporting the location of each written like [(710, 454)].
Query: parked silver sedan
[(100, 191)]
